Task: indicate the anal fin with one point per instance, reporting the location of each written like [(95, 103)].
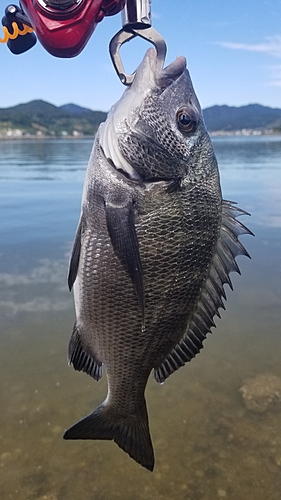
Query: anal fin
[(80, 359)]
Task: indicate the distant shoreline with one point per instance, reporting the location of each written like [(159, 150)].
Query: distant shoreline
[(45, 137), (241, 133), (219, 133), (41, 120), (89, 137)]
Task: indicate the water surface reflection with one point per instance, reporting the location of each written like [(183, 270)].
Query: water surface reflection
[(207, 444)]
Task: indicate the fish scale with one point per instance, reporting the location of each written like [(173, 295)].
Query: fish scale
[(153, 250)]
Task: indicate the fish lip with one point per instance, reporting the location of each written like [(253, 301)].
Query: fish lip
[(173, 71), (151, 74), (169, 74)]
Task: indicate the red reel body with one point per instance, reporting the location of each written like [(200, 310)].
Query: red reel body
[(64, 27)]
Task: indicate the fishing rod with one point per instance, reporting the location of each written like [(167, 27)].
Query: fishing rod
[(64, 27)]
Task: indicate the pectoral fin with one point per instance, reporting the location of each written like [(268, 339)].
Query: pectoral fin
[(122, 232), (75, 256)]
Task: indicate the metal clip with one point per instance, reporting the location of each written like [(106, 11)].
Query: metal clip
[(136, 17)]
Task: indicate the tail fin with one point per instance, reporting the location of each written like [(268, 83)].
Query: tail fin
[(131, 433)]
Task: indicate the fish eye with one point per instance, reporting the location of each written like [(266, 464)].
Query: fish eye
[(186, 120)]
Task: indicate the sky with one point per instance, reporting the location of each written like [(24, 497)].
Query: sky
[(233, 49)]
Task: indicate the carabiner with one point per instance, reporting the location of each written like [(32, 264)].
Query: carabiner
[(149, 34), (136, 17)]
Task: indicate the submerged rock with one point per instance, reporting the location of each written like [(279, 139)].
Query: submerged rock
[(261, 392)]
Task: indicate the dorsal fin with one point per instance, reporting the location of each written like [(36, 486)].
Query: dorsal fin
[(212, 292)]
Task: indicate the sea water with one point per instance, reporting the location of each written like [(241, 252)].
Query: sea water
[(208, 444)]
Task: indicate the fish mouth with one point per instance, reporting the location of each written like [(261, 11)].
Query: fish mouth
[(172, 72), (151, 73), (166, 76)]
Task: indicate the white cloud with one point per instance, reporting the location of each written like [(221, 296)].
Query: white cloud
[(270, 46), (275, 76)]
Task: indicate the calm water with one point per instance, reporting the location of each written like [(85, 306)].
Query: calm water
[(207, 444)]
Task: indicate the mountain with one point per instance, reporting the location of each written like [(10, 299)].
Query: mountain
[(253, 116), (42, 118), (74, 109)]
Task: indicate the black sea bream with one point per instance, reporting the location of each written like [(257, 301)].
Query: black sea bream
[(153, 250)]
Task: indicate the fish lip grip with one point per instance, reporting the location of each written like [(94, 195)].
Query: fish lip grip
[(64, 27), (136, 20)]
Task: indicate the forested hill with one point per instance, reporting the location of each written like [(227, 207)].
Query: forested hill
[(44, 119), (253, 116)]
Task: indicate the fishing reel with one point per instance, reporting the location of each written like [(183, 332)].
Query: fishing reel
[(62, 26)]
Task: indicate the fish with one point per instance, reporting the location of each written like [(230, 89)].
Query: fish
[(154, 248)]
